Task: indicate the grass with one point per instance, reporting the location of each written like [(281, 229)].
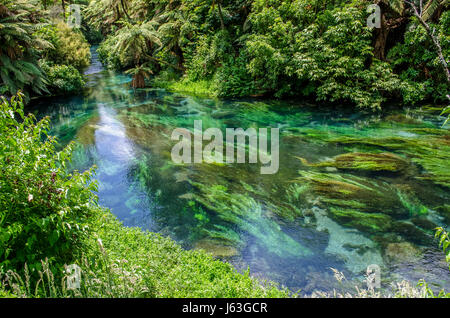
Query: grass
[(201, 88), (129, 262)]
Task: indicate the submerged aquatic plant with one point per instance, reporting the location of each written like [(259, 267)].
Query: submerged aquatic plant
[(381, 162)]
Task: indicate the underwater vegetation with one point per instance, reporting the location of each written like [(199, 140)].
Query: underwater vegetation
[(365, 192), (351, 190), (386, 162), (428, 148)]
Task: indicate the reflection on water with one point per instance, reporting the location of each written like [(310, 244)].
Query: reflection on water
[(352, 189)]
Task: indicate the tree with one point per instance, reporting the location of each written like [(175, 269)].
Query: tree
[(134, 41), (140, 73), (19, 68), (219, 8), (174, 31), (423, 14), (392, 17)]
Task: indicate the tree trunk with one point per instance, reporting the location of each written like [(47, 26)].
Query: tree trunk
[(381, 36), (124, 9), (179, 53), (437, 45), (138, 81), (222, 24), (64, 9)]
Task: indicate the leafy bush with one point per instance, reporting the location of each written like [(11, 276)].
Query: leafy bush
[(107, 56), (69, 46), (233, 78), (44, 210), (62, 78), (417, 63)]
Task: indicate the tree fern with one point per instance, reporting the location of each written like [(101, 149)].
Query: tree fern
[(18, 55)]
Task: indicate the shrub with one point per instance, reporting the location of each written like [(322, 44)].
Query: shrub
[(106, 55), (43, 209), (69, 46), (62, 78)]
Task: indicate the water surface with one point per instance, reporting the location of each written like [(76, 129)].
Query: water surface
[(320, 211)]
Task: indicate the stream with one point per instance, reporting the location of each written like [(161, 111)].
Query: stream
[(352, 189)]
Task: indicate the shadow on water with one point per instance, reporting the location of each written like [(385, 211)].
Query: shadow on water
[(324, 208)]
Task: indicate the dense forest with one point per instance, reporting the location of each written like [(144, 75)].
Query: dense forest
[(317, 49), (228, 52)]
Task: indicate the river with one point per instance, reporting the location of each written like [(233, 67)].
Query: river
[(353, 188)]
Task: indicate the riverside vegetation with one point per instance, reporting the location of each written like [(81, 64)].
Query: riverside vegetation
[(355, 186)]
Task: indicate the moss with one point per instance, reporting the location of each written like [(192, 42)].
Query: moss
[(197, 88)]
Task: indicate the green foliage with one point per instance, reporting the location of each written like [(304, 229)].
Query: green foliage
[(18, 54), (233, 79), (68, 45), (333, 57), (72, 48), (417, 63), (28, 35), (196, 88), (62, 79), (106, 54), (127, 262), (283, 48), (133, 41), (444, 242), (44, 209)]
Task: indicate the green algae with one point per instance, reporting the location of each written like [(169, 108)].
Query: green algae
[(352, 192), (386, 162), (402, 119), (412, 204), (249, 216), (411, 233), (428, 147), (365, 222), (216, 248)]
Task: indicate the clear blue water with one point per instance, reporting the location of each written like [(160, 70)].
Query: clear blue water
[(278, 225)]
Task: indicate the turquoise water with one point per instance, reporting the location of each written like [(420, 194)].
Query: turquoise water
[(317, 212)]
